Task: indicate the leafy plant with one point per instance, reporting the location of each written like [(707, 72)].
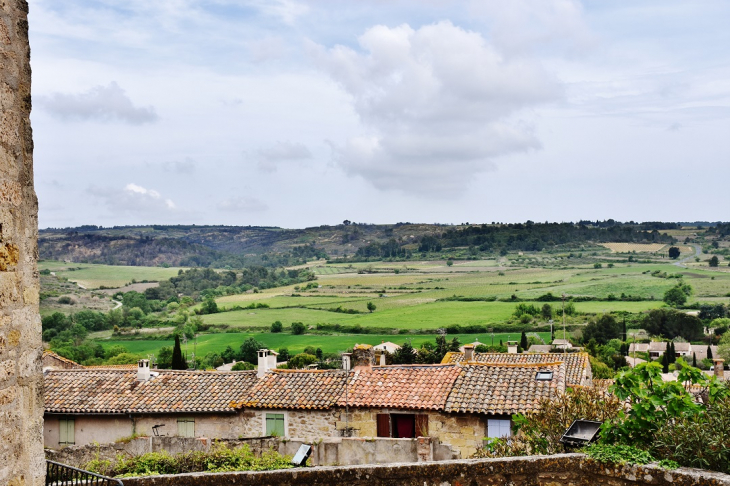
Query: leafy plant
[(654, 402), (699, 440), (618, 454)]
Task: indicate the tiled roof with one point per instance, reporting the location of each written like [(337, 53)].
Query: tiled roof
[(113, 367), (420, 387), (578, 367), (504, 389), (50, 355), (312, 389), (118, 391)]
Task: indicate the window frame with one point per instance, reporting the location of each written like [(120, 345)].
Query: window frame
[(499, 424)]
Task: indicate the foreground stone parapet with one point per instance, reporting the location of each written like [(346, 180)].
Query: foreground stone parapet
[(21, 399), (562, 469)]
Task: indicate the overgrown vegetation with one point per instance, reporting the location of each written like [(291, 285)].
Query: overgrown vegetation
[(220, 458)]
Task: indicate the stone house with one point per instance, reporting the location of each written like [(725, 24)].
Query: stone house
[(53, 361), (83, 406), (292, 403), (458, 405)]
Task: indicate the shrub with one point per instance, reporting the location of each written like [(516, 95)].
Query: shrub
[(242, 366), (277, 326), (298, 328), (618, 454), (219, 459), (698, 440)]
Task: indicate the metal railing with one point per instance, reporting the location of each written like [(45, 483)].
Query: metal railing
[(62, 475)]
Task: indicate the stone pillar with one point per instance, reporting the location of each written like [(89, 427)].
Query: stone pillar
[(21, 383)]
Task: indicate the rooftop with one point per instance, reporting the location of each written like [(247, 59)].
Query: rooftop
[(418, 387), (504, 389), (577, 365), (298, 389), (118, 391)]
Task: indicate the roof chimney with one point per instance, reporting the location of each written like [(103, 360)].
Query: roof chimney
[(719, 367), (512, 347), (468, 352), (346, 361), (363, 355), (143, 370), (264, 362), (382, 358)]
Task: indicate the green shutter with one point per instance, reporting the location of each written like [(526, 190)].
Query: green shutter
[(275, 424), (66, 431), (186, 427)]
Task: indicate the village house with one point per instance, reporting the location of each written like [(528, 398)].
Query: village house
[(83, 406), (457, 403), (656, 349)]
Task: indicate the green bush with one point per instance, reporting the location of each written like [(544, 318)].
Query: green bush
[(618, 454), (699, 440), (219, 459)]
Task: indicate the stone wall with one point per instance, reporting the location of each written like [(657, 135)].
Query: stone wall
[(21, 398), (307, 425), (564, 469)]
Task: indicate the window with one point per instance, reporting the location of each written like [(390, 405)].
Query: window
[(497, 428), (544, 376), (66, 432), (186, 427), (275, 424), (402, 425)]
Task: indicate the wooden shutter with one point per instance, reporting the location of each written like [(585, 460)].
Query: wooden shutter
[(66, 431), (186, 427), (383, 425), (421, 425), (275, 424)]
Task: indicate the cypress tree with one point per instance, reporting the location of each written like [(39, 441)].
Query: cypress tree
[(523, 341), (665, 363), (626, 336), (178, 363), (694, 360), (671, 352), (709, 352)]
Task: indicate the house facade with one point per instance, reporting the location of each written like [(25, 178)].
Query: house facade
[(83, 406)]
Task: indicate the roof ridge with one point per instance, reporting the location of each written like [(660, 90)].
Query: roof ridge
[(511, 365)]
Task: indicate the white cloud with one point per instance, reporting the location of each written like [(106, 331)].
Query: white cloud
[(134, 199), (270, 157), (243, 203), (438, 103), (102, 103)]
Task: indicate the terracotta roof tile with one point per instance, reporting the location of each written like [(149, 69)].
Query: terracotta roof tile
[(504, 389), (118, 391), (297, 389), (421, 387), (578, 366), (48, 354)]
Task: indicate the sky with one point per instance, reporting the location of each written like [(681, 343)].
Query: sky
[(298, 113)]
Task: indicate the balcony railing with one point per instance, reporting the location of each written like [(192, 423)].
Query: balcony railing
[(62, 475)]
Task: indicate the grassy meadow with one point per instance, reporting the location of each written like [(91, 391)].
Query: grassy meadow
[(92, 276), (409, 297)]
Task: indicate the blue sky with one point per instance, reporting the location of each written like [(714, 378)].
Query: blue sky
[(295, 113)]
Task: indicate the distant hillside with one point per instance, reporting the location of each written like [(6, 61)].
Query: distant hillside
[(239, 246)]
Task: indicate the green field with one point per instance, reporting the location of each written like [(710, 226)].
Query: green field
[(208, 343), (409, 299), (93, 276)]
